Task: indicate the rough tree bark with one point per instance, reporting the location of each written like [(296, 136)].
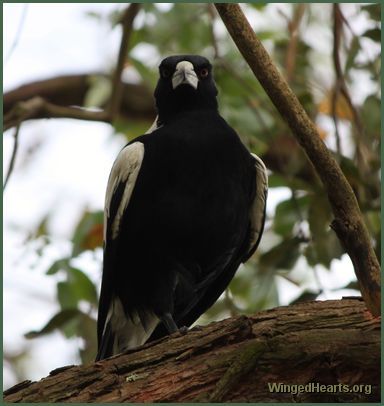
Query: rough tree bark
[(327, 343)]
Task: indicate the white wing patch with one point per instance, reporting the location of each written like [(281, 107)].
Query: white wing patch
[(257, 214), (124, 170)]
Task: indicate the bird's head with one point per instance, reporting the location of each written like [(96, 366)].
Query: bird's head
[(185, 83)]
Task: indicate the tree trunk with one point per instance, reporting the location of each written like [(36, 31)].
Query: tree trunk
[(333, 343)]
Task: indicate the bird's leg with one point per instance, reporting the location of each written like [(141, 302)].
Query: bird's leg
[(169, 323)]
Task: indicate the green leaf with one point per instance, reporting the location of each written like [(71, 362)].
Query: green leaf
[(258, 6), (66, 295), (115, 17), (281, 256), (149, 76), (353, 51), (305, 297), (371, 111), (288, 213), (94, 15), (324, 245), (99, 91), (131, 128), (77, 287), (264, 295), (87, 330), (374, 11), (89, 232), (82, 286), (352, 285), (59, 265), (58, 321), (374, 34)]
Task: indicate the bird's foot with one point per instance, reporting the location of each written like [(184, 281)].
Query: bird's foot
[(183, 330)]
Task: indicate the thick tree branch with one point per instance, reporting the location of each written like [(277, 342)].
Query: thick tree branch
[(348, 223), (326, 343)]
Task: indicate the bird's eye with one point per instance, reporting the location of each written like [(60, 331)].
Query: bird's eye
[(204, 72), (165, 72)]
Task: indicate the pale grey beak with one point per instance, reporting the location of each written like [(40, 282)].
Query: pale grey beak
[(185, 74)]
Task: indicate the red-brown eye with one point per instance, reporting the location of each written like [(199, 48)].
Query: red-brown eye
[(204, 73), (165, 72)]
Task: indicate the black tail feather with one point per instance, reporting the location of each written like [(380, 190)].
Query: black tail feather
[(106, 345)]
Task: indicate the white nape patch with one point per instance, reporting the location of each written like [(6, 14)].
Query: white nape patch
[(258, 205), (125, 169), (129, 333), (185, 73)]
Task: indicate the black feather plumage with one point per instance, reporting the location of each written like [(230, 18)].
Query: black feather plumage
[(185, 207)]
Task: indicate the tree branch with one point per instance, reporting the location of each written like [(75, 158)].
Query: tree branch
[(13, 157), (293, 28), (37, 107), (327, 343), (71, 90), (342, 87), (348, 223), (117, 85), (18, 33)]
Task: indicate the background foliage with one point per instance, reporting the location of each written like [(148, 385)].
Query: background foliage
[(297, 240)]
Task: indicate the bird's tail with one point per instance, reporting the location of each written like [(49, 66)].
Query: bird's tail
[(107, 343), (123, 332)]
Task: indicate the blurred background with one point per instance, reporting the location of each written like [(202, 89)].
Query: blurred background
[(54, 199)]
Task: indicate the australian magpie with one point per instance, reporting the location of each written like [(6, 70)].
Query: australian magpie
[(185, 206)]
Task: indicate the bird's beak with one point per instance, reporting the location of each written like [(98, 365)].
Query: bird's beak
[(185, 74)]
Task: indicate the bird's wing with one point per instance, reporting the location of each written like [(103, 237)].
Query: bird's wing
[(258, 207), (121, 183), (120, 187), (217, 280)]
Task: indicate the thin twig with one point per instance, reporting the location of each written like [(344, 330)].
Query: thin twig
[(293, 28), (18, 33), (13, 157), (338, 20), (342, 89), (337, 31), (212, 16), (117, 85)]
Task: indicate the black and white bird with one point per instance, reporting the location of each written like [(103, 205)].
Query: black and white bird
[(185, 206)]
